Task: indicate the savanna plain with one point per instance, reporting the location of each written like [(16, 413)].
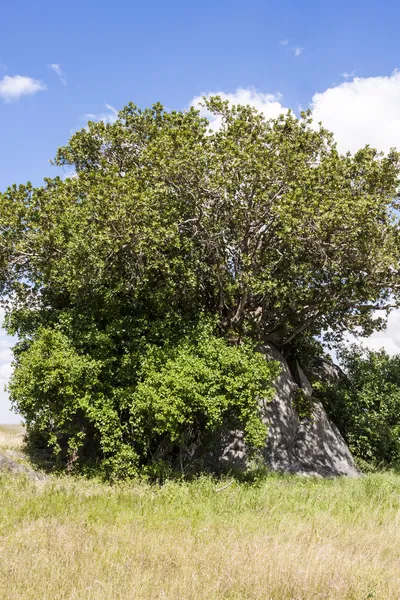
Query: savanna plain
[(276, 538)]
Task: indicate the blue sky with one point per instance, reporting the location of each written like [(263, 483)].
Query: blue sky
[(60, 62)]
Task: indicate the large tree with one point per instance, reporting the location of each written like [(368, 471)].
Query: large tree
[(261, 226)]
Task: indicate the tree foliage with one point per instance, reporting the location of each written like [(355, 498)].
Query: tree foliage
[(365, 405), (175, 402), (261, 226), (262, 222)]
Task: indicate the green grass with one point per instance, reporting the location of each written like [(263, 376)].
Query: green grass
[(280, 538)]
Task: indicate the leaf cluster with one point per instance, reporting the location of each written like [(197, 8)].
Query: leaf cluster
[(181, 398), (365, 405)]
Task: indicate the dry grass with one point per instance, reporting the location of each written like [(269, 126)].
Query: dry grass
[(283, 538), (11, 436)]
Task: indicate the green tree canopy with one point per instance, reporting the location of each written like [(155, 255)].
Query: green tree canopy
[(262, 222)]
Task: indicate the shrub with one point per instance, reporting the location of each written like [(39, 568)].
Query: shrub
[(365, 405), (184, 395)]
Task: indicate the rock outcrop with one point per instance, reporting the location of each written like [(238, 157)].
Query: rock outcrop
[(9, 463), (327, 371), (307, 445)]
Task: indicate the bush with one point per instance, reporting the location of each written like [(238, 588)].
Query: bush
[(365, 405), (184, 395)]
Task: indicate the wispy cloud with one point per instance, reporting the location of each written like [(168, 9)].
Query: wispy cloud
[(347, 76), (108, 117), (59, 72), (13, 87), (297, 50)]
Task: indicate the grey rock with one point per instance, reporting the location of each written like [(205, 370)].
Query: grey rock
[(9, 465), (319, 445), (309, 446), (326, 370)]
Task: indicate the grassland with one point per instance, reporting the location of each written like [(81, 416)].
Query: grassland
[(11, 436), (281, 538)]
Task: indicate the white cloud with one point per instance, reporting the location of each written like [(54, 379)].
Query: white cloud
[(110, 116), (13, 87), (389, 339), (59, 72), (5, 371), (297, 50), (362, 111), (269, 104), (5, 354)]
